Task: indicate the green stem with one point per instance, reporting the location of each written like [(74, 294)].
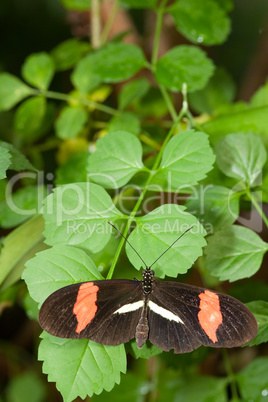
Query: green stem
[(109, 23), (257, 206), (145, 189), (158, 28), (230, 374), (169, 104), (95, 24)]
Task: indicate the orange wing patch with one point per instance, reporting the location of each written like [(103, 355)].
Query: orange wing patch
[(85, 306), (210, 316)]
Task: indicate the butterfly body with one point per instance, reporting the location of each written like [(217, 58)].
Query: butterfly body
[(171, 315)]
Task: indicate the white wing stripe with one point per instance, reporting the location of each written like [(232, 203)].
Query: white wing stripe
[(164, 313), (127, 308)]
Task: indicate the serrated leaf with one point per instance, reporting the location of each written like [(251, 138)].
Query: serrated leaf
[(208, 24), (116, 160), (156, 231), (18, 161), (214, 206), (253, 380), (77, 214), (57, 267), (203, 389), (12, 91), (122, 61), (21, 205), (29, 117), (15, 252), (70, 122), (184, 64), (186, 159), (132, 91), (234, 253), (260, 309), (5, 161), (38, 70), (68, 53), (242, 156), (81, 367), (248, 119), (126, 121)]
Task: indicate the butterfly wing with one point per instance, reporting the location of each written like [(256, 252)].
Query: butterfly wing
[(194, 316), (88, 310)]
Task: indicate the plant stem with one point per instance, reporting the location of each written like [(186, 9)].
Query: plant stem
[(230, 374), (158, 27), (109, 23), (167, 99), (95, 24), (256, 205)]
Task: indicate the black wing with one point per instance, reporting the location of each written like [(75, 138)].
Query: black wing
[(200, 317), (86, 310)]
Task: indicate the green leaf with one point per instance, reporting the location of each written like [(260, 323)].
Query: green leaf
[(31, 307), (78, 5), (226, 5), (260, 97), (18, 161), (113, 63), (68, 53), (234, 253), (184, 64), (253, 380), (5, 161), (91, 367), (70, 122), (151, 104), (260, 310), (156, 231), (12, 91), (208, 24), (140, 3), (25, 387), (242, 156), (15, 252), (219, 91), (38, 70), (214, 206), (125, 121), (57, 267), (23, 204), (77, 214), (132, 91), (248, 119), (29, 117), (186, 159), (117, 158), (74, 170), (148, 350), (203, 389)]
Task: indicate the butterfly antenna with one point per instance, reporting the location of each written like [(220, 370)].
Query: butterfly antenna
[(171, 246), (128, 243)]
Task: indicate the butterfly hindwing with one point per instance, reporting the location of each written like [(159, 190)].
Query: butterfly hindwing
[(87, 310), (197, 317)]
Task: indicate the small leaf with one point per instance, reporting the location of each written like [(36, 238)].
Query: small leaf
[(12, 91), (91, 367), (57, 267), (18, 161), (156, 231), (29, 117), (234, 253), (70, 122), (141, 3), (125, 121), (151, 104), (241, 156), (253, 380), (68, 53), (5, 161), (77, 214), (184, 64), (74, 170), (21, 205), (38, 70), (208, 24), (122, 61), (187, 158), (260, 310), (203, 389), (116, 160), (214, 206), (132, 91), (78, 5)]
